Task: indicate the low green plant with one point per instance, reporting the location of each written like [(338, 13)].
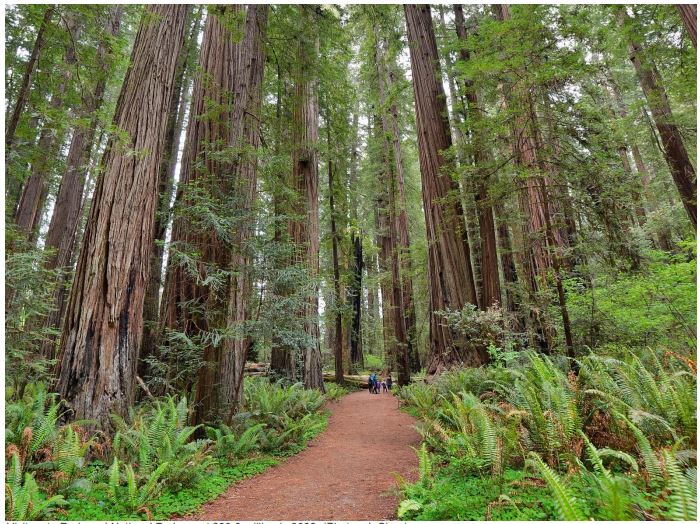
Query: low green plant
[(23, 498), (158, 433)]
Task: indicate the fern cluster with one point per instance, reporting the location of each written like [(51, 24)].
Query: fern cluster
[(151, 451), (537, 414)]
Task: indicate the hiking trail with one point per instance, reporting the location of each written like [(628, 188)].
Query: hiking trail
[(346, 473)]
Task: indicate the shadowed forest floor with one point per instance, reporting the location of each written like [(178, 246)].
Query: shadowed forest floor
[(347, 473)]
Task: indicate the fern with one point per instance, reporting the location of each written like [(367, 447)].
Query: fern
[(651, 462), (683, 497), (566, 503)]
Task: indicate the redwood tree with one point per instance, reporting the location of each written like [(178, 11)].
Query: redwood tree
[(305, 231), (103, 327), (248, 99), (449, 266), (674, 149), (66, 214)]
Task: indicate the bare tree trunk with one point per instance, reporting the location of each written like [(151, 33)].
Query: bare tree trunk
[(66, 215), (689, 15), (393, 222), (674, 150), (404, 241), (449, 265), (102, 332), (23, 94), (355, 286), (248, 99), (338, 339), (305, 233)]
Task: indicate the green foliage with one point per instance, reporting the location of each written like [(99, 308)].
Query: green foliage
[(660, 399), (455, 496), (24, 500), (532, 412), (157, 468), (335, 392), (654, 308), (566, 503), (158, 433), (29, 299)]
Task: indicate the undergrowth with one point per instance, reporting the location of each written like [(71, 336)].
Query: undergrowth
[(153, 465)]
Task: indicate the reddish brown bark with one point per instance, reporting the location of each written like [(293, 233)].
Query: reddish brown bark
[(338, 317), (248, 101), (166, 177), (674, 150), (305, 232), (210, 163), (394, 226), (449, 265), (67, 209), (689, 15), (102, 331)]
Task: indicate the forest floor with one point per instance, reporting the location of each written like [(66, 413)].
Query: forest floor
[(347, 473)]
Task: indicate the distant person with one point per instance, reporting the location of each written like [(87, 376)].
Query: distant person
[(384, 387), (389, 382), (370, 384)]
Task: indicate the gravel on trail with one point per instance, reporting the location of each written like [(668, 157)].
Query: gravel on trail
[(346, 473)]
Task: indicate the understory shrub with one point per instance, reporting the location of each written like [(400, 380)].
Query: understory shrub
[(152, 466), (615, 442)]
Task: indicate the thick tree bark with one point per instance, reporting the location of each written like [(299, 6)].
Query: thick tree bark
[(103, 327), (210, 164), (23, 94), (674, 149), (166, 178), (305, 233), (449, 266), (67, 209), (490, 285), (248, 100), (689, 15), (404, 241), (536, 258)]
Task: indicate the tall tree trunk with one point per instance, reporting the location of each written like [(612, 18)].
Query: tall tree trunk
[(449, 266), (209, 167), (282, 363), (248, 100), (689, 15), (490, 285), (66, 215), (404, 241), (35, 190), (166, 179), (355, 286), (674, 149), (392, 248), (103, 327), (23, 94), (338, 338), (305, 233)]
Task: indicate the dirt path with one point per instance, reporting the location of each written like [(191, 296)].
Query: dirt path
[(329, 480)]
